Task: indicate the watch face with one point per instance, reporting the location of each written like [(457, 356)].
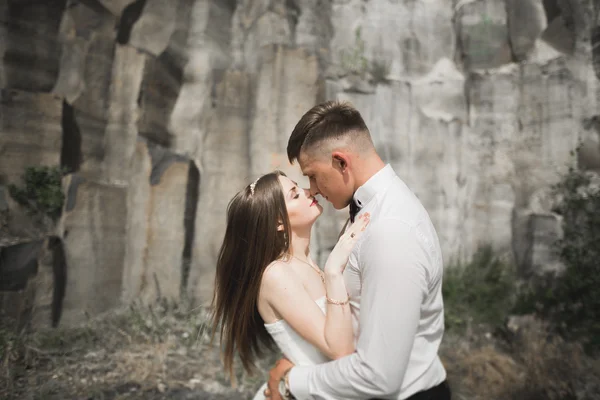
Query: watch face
[(282, 387)]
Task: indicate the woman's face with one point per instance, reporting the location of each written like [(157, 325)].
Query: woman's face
[(302, 208)]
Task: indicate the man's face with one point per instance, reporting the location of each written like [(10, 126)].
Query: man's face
[(326, 179)]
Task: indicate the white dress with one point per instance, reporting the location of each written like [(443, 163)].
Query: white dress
[(293, 346)]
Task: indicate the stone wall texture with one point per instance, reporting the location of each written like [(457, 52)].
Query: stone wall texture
[(162, 110)]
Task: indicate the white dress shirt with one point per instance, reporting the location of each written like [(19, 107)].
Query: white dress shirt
[(394, 276)]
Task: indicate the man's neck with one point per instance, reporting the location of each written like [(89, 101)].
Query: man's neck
[(365, 168)]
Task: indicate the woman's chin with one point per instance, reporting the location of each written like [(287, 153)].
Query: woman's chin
[(317, 215), (320, 209)]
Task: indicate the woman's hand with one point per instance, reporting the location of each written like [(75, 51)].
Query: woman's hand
[(337, 260)]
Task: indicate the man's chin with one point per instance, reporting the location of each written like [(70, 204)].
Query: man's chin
[(338, 206)]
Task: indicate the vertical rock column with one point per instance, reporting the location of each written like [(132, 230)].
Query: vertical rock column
[(86, 76), (103, 109), (286, 74), (30, 127), (283, 44), (438, 154), (93, 232), (31, 134), (155, 230), (31, 45), (135, 277), (121, 128), (159, 170), (209, 123), (558, 93), (205, 51), (3, 40), (224, 171), (490, 170), (411, 94), (287, 86)]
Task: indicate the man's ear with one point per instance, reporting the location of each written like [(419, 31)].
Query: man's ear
[(340, 160)]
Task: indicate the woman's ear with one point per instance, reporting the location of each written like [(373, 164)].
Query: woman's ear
[(280, 227)]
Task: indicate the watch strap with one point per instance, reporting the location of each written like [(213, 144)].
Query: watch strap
[(286, 382)]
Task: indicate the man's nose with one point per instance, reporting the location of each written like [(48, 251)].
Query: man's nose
[(313, 190)]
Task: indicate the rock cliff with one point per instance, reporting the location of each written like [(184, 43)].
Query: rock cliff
[(162, 110)]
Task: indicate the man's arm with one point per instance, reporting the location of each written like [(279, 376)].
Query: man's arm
[(393, 267)]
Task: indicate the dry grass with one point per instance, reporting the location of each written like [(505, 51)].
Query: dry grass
[(164, 352), (554, 369), (138, 353), (533, 365), (486, 371)]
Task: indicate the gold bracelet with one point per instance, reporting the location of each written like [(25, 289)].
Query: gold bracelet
[(337, 302)]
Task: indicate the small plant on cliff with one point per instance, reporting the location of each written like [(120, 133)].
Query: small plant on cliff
[(41, 191), (379, 71), (572, 300), (479, 292), (354, 60), (480, 37)]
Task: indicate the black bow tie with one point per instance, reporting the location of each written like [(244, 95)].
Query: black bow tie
[(354, 209)]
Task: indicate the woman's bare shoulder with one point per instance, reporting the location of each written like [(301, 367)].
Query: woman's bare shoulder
[(275, 272), (278, 277)]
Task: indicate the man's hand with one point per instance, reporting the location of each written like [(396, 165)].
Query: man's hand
[(275, 374)]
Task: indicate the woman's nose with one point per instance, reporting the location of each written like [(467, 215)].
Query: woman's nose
[(307, 192)]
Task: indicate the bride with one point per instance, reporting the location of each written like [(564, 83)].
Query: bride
[(268, 291)]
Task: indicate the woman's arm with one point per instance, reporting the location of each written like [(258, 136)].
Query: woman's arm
[(339, 315), (338, 322), (332, 333), (288, 297)]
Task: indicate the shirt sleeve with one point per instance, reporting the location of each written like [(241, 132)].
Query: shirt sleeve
[(394, 282)]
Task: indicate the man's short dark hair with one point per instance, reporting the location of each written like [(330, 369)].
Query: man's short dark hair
[(329, 120)]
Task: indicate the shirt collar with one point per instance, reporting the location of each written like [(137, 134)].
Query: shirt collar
[(375, 184)]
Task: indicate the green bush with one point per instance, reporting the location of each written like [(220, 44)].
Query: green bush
[(571, 301), (480, 292), (41, 192)]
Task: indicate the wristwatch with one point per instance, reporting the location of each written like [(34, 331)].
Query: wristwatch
[(284, 386)]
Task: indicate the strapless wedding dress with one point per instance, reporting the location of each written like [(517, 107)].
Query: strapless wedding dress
[(293, 346)]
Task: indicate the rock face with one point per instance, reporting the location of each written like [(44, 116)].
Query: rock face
[(93, 232), (161, 113)]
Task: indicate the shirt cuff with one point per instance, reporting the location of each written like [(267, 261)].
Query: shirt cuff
[(298, 381)]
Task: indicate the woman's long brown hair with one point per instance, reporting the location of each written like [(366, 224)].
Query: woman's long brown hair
[(252, 241)]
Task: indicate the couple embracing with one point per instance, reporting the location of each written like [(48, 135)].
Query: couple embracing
[(368, 324)]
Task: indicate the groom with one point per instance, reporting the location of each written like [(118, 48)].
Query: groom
[(394, 277)]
